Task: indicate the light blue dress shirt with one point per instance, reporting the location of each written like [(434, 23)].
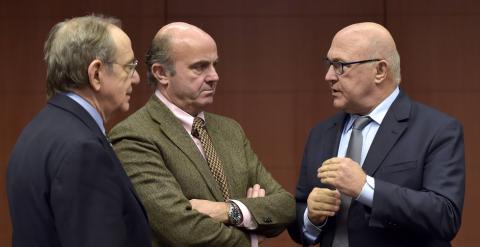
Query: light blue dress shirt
[(89, 108), (312, 231)]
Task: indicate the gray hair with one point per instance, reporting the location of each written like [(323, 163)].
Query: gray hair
[(159, 52), (394, 59), (70, 48)]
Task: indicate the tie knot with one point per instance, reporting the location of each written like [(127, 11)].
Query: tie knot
[(361, 122), (197, 126)]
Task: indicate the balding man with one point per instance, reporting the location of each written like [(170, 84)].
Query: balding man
[(198, 177), (385, 171)]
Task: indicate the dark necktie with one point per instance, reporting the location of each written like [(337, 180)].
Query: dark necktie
[(214, 163), (354, 151)]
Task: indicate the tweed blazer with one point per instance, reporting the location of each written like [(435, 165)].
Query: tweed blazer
[(167, 170)]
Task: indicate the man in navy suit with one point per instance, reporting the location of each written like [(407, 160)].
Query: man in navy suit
[(65, 185), (407, 187)]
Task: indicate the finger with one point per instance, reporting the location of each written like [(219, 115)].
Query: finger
[(327, 174), (261, 193), (249, 192), (330, 161), (324, 195), (331, 200), (326, 207), (324, 213), (336, 160), (328, 167), (256, 188), (335, 193), (329, 181)]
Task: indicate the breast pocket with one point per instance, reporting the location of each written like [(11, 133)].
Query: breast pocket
[(399, 167)]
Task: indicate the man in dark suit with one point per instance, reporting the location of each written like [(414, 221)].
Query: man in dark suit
[(406, 186), (65, 185), (196, 195)]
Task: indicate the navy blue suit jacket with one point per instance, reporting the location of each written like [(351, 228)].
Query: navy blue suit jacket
[(66, 186), (417, 160)]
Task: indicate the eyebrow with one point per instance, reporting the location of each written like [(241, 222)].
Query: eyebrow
[(132, 60), (203, 63)]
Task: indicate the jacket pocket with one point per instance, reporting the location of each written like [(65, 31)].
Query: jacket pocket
[(399, 167)]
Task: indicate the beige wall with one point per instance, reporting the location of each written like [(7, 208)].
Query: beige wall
[(271, 69)]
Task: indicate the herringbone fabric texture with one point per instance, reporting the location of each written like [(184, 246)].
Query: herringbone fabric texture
[(215, 164)]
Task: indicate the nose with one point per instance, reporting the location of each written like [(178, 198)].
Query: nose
[(212, 74), (135, 77), (331, 76)]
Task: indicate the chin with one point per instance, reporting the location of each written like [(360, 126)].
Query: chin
[(206, 101), (125, 107), (338, 104)]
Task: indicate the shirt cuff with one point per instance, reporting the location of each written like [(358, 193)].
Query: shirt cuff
[(366, 195), (254, 240), (310, 230), (248, 222)]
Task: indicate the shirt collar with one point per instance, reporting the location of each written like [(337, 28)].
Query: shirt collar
[(185, 119), (379, 112), (89, 108)]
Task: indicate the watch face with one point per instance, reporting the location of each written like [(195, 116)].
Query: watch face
[(234, 214)]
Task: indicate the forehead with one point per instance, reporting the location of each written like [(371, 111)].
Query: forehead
[(348, 46), (193, 49), (122, 43)]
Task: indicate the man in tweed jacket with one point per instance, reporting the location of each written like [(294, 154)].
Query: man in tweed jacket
[(167, 164)]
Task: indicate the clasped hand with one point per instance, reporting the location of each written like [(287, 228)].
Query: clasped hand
[(343, 174)]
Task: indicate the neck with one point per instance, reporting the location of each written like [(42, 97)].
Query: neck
[(91, 98), (190, 110)]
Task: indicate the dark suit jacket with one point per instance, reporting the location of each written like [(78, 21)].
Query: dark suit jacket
[(417, 160), (66, 187), (168, 170)]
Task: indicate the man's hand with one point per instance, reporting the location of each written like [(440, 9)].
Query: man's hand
[(216, 210), (322, 203), (344, 174), (255, 191)]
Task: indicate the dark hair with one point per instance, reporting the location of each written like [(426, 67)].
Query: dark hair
[(159, 52)]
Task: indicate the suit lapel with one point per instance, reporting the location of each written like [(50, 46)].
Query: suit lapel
[(330, 140), (175, 132), (392, 127), (335, 134)]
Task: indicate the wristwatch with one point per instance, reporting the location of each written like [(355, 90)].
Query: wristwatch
[(235, 216)]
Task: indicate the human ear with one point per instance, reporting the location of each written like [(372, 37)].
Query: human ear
[(381, 71), (94, 74), (160, 73)]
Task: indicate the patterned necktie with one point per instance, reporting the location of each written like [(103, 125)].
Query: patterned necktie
[(199, 131), (354, 151)]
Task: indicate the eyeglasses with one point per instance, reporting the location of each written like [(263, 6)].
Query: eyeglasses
[(129, 67), (338, 66)]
